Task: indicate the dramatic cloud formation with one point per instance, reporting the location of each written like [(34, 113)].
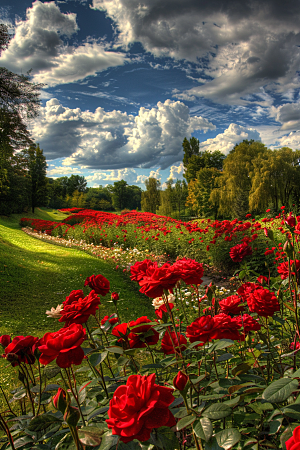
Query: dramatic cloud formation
[(37, 45), (243, 45), (288, 114), (225, 142), (114, 140)]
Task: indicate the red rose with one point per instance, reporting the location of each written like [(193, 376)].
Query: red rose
[(21, 349), (112, 319), (139, 331), (246, 324), (263, 302), (189, 270), (293, 443), (246, 289), (263, 280), (231, 305), (170, 339), (202, 329), (5, 340), (240, 251), (157, 280), (60, 400), (121, 331), (98, 283), (180, 381), (162, 311), (79, 311), (64, 345), (74, 296), (115, 296), (290, 220), (226, 327), (283, 268), (140, 268), (138, 407)]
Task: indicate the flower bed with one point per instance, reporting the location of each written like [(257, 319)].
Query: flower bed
[(210, 372)]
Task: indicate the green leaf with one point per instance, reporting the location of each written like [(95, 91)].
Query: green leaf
[(51, 371), (164, 438), (115, 349), (66, 443), (228, 438), (225, 357), (108, 441), (220, 344), (91, 435), (287, 434), (242, 274), (240, 368), (185, 421), (217, 411), (203, 428), (280, 390), (22, 441), (97, 358), (132, 445), (42, 422), (292, 411)]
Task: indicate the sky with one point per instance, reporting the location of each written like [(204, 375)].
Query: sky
[(125, 81)]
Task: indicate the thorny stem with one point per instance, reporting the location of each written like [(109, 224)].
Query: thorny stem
[(75, 394), (6, 429)]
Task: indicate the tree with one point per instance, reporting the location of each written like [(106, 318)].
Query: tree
[(167, 199), (120, 194), (195, 160), (75, 183), (36, 174), (237, 175), (199, 191), (134, 197), (151, 197)]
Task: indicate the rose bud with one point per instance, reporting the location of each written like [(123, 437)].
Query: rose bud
[(5, 340), (71, 416), (115, 296), (290, 220), (60, 400), (180, 381)]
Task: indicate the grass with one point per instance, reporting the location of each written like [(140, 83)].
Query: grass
[(37, 275)]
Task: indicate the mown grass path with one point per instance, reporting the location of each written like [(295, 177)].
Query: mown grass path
[(35, 275)]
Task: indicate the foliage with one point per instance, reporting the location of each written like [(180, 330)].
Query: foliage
[(151, 197), (199, 191)]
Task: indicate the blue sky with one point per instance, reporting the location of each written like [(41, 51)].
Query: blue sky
[(127, 80)]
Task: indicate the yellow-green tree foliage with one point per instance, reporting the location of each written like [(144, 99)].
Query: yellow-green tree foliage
[(199, 191), (151, 197)]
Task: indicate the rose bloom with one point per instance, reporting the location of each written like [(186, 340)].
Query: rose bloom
[(98, 283), (140, 331), (162, 310), (121, 331), (112, 320), (54, 313), (171, 338), (74, 296), (80, 311), (157, 280), (21, 349), (231, 305), (140, 268), (180, 381), (202, 329), (5, 340), (246, 289), (115, 296), (139, 407), (240, 251), (293, 443), (263, 302), (189, 270), (292, 346), (283, 268), (247, 323), (226, 327), (63, 345)]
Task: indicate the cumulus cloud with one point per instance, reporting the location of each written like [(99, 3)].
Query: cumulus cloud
[(245, 45), (62, 171), (225, 141), (37, 44), (292, 140), (176, 172), (111, 176), (288, 114), (114, 140)]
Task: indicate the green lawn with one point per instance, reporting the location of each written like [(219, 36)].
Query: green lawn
[(35, 275)]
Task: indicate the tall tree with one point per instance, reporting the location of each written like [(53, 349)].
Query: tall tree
[(151, 197), (199, 191), (36, 173), (120, 194), (75, 183)]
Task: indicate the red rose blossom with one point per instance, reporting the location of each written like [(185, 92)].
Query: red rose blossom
[(180, 381), (141, 327), (140, 268), (283, 268), (202, 329), (114, 296), (263, 302), (231, 305), (162, 311), (240, 251), (98, 283), (63, 345), (247, 323), (139, 407), (21, 349), (226, 327), (189, 270), (170, 340), (293, 443), (157, 280), (5, 340), (79, 311), (246, 289), (74, 296), (112, 319)]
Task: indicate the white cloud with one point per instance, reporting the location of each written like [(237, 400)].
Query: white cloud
[(225, 141), (63, 171), (176, 172), (113, 140), (288, 114), (37, 45), (292, 140)]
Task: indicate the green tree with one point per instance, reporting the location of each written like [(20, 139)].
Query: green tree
[(167, 199), (199, 191), (134, 197), (75, 183), (120, 194), (36, 174), (151, 197)]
